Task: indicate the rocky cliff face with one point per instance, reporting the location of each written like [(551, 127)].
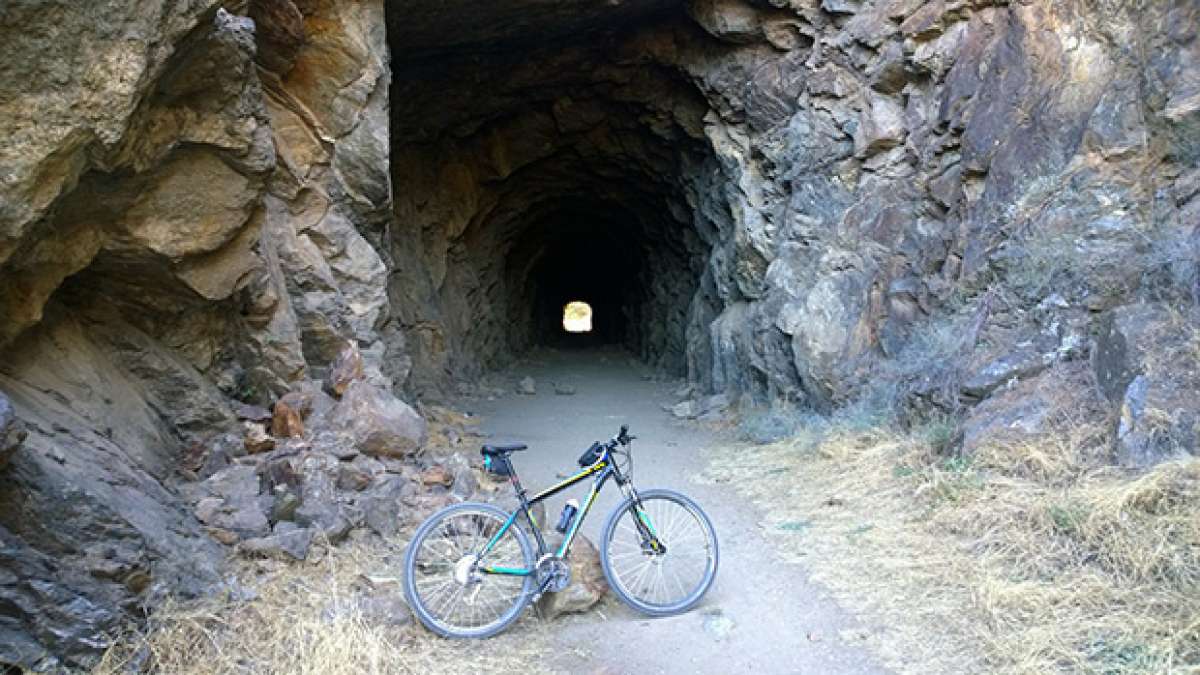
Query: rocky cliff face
[(935, 208), (186, 196)]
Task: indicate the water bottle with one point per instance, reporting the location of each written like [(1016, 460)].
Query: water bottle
[(568, 514)]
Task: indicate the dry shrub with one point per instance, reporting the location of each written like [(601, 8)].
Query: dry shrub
[(304, 620), (1027, 558)]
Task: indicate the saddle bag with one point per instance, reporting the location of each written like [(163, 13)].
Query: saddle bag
[(497, 465)]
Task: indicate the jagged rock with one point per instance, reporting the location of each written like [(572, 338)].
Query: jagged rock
[(1145, 364), (252, 413), (352, 478), (1026, 359), (242, 509), (346, 370), (437, 475), (257, 440), (384, 504), (380, 424), (287, 420), (12, 432), (587, 587), (287, 541), (686, 410), (527, 386)]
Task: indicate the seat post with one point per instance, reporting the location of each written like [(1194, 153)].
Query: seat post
[(515, 479)]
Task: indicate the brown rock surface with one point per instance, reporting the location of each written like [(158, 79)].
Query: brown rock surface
[(287, 420)]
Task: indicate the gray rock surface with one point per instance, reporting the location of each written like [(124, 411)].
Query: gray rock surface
[(1145, 362), (380, 424)]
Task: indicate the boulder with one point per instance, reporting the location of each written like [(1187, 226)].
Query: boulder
[(380, 424), (321, 506), (587, 586)]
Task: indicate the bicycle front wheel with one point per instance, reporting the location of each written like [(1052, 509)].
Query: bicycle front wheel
[(445, 583), (660, 557)]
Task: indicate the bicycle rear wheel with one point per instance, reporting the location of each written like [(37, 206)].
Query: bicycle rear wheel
[(443, 584), (659, 582)]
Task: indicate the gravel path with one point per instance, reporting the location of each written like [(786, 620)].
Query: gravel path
[(761, 615)]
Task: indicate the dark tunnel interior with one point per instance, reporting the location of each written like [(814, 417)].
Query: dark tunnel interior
[(591, 255)]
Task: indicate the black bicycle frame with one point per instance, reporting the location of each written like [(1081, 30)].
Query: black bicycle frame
[(602, 470)]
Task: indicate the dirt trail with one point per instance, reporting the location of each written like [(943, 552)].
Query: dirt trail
[(761, 616)]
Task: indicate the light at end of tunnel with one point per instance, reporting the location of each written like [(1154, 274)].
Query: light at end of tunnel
[(577, 317)]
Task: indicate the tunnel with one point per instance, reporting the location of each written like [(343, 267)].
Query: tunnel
[(538, 158), (578, 254)]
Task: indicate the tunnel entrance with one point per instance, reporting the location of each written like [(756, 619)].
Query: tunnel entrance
[(537, 160)]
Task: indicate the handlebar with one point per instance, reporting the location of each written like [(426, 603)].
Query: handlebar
[(623, 437)]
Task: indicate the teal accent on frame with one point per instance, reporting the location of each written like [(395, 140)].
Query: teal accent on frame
[(496, 537), (514, 571)]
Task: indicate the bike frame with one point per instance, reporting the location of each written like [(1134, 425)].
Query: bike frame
[(602, 470)]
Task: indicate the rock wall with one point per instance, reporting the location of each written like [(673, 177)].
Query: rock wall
[(910, 203), (930, 208), (186, 197)]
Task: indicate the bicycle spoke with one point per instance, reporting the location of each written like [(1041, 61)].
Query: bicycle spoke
[(448, 555), (660, 579)]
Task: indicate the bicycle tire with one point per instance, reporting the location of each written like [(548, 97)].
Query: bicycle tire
[(415, 600), (620, 588)]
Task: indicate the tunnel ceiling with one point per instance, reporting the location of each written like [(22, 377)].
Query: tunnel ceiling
[(420, 27)]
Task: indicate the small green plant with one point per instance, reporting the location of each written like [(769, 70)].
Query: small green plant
[(1067, 518), (940, 433), (957, 465)]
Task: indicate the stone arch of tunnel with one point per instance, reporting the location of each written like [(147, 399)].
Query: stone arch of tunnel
[(531, 168)]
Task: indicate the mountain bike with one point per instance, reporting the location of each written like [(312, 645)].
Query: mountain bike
[(471, 567)]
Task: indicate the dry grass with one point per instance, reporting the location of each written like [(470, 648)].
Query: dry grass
[(1030, 558), (304, 621)]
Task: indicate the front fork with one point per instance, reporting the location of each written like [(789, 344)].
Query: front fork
[(651, 544)]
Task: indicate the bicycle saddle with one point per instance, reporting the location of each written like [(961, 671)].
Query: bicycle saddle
[(503, 449)]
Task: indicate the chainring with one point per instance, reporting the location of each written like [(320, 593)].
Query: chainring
[(553, 574)]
